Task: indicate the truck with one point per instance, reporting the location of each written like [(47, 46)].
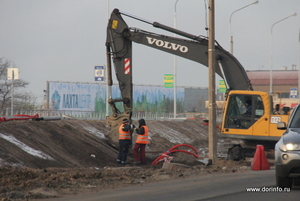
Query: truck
[(256, 126)]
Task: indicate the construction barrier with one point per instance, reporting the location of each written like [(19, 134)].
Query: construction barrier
[(260, 161)]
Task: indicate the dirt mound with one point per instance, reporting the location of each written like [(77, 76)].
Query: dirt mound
[(82, 143), (67, 143), (41, 159)]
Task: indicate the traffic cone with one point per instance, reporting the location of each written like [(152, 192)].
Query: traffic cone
[(260, 161)]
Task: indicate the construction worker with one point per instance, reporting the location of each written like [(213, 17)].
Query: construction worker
[(248, 105), (125, 141), (140, 144)]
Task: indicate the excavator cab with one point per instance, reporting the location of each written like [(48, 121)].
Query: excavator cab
[(243, 111), (248, 115)]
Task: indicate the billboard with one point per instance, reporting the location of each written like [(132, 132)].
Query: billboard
[(78, 96), (156, 98)]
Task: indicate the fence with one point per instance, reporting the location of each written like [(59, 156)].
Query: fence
[(92, 115)]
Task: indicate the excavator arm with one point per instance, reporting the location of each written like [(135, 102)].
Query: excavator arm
[(258, 125), (119, 50)]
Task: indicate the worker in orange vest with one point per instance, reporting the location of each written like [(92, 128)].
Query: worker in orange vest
[(125, 141), (140, 144)]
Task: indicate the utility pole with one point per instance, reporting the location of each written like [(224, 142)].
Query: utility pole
[(12, 94), (212, 137), (175, 65), (12, 74), (108, 86)]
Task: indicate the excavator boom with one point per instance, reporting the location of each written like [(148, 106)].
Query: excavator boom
[(234, 125), (119, 49)]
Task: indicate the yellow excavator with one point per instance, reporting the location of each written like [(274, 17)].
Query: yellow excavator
[(248, 115)]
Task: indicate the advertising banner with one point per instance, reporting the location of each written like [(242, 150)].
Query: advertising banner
[(77, 96)]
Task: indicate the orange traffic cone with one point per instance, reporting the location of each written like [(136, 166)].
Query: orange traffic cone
[(260, 161)]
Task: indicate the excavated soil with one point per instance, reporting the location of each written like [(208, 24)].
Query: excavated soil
[(43, 159)]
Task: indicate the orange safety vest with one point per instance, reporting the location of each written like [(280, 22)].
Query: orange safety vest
[(143, 139), (124, 135)]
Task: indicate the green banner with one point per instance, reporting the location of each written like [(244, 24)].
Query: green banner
[(168, 80), (222, 86)]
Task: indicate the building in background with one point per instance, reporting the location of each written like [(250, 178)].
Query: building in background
[(284, 85)]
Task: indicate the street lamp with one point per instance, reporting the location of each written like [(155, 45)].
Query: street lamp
[(108, 88), (231, 37), (175, 64), (299, 71), (271, 54)]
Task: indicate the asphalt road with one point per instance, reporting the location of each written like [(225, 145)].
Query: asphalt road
[(223, 187)]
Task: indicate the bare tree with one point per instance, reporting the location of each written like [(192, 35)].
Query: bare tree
[(22, 100)]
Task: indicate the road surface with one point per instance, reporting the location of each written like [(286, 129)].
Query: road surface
[(235, 186)]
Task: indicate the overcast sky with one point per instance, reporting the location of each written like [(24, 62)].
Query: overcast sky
[(62, 40)]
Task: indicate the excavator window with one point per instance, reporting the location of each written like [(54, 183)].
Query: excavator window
[(243, 111)]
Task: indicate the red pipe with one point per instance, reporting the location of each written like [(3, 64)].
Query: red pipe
[(160, 158), (20, 117)]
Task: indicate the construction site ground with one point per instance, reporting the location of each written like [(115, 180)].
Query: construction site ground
[(44, 159)]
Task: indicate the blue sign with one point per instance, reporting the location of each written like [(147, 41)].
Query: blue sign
[(293, 92), (99, 73)]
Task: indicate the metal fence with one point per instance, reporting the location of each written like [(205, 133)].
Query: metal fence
[(92, 115)]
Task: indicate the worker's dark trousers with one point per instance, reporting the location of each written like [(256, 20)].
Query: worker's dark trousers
[(139, 153), (124, 146)]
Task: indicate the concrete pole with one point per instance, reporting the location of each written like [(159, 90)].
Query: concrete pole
[(212, 137), (108, 88), (299, 71), (175, 66), (12, 94)]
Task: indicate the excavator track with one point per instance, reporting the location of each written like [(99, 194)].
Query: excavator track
[(247, 149)]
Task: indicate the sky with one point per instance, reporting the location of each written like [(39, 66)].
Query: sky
[(63, 40)]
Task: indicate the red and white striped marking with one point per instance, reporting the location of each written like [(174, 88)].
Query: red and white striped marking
[(127, 66)]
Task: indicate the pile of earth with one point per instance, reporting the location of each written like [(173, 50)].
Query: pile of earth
[(42, 159)]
